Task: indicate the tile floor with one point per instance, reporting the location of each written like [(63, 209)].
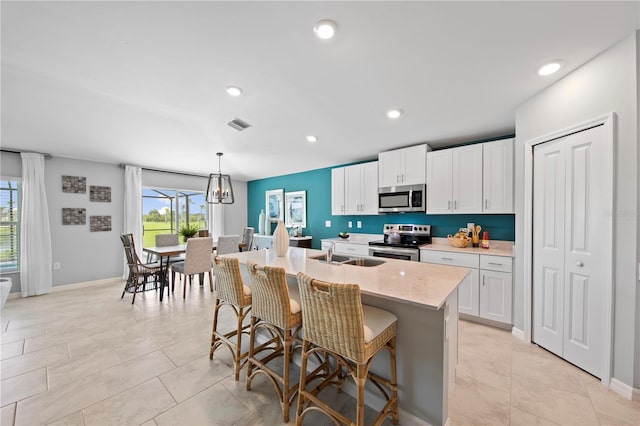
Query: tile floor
[(85, 357)]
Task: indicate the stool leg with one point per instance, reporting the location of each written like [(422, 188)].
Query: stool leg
[(288, 339), (394, 380), (252, 339), (239, 344), (215, 327), (302, 383), (360, 379)]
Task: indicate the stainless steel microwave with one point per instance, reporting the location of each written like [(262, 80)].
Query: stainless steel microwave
[(401, 199)]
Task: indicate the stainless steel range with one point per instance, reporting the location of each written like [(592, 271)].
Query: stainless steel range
[(401, 242)]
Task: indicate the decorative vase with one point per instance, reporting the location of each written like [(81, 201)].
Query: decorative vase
[(261, 220), (267, 225), (281, 239)]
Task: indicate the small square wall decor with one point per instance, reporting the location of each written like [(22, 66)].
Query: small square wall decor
[(99, 223), (101, 194), (74, 216), (74, 184)]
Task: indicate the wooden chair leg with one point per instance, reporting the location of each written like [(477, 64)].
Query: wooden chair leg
[(215, 327), (252, 340), (360, 379), (211, 281), (302, 383), (239, 344), (184, 285), (201, 279)]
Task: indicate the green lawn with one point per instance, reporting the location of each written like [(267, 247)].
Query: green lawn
[(153, 228)]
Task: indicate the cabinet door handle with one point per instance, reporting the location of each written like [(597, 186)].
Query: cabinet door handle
[(486, 203), (483, 277), (579, 263), (397, 178), (497, 264), (455, 204), (402, 179), (447, 258), (449, 205)]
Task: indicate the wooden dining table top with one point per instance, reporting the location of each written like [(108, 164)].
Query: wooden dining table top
[(179, 249)]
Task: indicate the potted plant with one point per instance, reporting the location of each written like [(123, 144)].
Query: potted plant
[(188, 231)]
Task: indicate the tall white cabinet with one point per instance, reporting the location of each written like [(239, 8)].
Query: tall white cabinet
[(406, 166), (471, 179), (354, 189)]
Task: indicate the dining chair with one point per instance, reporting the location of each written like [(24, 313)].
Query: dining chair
[(197, 260), (166, 240), (227, 244), (139, 272), (247, 237)]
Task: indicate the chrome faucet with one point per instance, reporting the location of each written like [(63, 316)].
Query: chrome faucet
[(330, 252)]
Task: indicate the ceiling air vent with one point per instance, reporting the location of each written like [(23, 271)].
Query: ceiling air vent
[(238, 124)]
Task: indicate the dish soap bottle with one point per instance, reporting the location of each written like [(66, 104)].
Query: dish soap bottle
[(485, 240)]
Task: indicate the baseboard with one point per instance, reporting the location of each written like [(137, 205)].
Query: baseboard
[(517, 333), (66, 287), (624, 390)]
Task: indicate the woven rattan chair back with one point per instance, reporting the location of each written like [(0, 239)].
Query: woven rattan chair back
[(166, 240), (332, 316), (229, 284), (247, 237), (270, 295), (227, 244), (198, 255)]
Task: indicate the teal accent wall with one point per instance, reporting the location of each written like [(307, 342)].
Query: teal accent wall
[(317, 183)]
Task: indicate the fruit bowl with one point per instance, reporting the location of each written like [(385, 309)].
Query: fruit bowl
[(343, 235)]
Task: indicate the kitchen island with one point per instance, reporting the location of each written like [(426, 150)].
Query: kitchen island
[(423, 297)]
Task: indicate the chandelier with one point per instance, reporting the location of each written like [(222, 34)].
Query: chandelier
[(219, 189)]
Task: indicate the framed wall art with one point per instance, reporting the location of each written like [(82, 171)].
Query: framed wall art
[(275, 204), (74, 184), (101, 194), (295, 209)]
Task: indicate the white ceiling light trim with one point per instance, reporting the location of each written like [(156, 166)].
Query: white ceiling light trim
[(549, 68), (234, 90), (394, 113), (312, 138), (325, 29)]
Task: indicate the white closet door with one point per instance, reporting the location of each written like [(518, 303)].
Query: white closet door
[(568, 278)]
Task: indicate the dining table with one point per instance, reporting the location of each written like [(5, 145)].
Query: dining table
[(164, 253)]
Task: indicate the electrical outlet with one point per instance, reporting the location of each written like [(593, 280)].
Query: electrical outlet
[(56, 266), (359, 224), (327, 224), (350, 224)]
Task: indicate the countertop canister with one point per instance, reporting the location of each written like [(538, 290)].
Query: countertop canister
[(281, 239)]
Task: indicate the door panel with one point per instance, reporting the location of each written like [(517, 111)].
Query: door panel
[(568, 278)]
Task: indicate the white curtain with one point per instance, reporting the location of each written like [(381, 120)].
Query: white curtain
[(132, 208), (36, 276), (216, 220)]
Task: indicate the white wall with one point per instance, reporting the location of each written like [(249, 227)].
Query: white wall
[(608, 83)]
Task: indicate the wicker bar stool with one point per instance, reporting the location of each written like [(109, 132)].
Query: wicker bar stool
[(230, 291), (335, 320), (276, 312)]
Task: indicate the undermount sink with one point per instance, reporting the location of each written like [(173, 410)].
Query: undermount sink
[(346, 260)]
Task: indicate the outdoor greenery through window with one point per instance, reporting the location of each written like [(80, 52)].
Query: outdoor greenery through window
[(9, 225), (164, 211)]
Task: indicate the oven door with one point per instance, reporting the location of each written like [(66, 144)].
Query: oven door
[(395, 253)]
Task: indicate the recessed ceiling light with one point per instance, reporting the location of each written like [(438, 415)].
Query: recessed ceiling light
[(234, 90), (312, 138), (394, 113), (549, 68), (325, 29)]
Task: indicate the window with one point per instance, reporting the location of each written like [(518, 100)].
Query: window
[(9, 224), (159, 207)]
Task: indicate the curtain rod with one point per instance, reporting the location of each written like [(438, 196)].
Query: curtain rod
[(164, 171), (18, 151)]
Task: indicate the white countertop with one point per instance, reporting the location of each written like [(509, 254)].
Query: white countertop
[(496, 247), (424, 284), (304, 237), (357, 238)]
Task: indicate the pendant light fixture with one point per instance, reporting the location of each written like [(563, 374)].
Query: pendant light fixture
[(219, 189)]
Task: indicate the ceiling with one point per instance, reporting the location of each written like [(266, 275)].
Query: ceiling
[(144, 82)]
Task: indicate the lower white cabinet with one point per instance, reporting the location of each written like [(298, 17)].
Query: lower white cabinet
[(487, 291)]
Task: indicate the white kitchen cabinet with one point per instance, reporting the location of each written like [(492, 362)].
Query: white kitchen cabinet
[(497, 176), (361, 189), (454, 180), (487, 291), (337, 191), (495, 296), (406, 166)]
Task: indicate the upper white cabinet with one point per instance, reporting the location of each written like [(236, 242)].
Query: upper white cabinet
[(497, 176), (337, 191), (454, 180), (471, 179), (406, 166), (361, 189), (354, 189)]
